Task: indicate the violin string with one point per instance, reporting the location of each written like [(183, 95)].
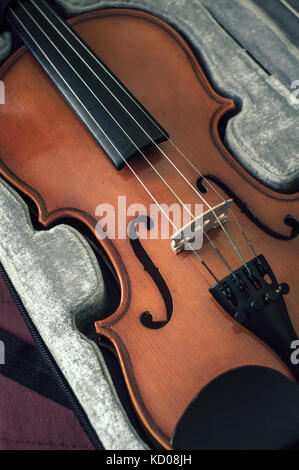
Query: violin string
[(160, 150), (123, 158), (141, 108), (216, 191), (138, 149)]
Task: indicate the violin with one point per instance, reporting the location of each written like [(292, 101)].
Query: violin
[(111, 113)]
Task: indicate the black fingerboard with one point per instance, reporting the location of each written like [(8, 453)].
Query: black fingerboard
[(113, 116)]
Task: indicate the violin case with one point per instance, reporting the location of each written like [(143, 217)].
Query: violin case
[(249, 51)]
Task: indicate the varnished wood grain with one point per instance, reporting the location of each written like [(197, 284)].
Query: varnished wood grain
[(47, 153)]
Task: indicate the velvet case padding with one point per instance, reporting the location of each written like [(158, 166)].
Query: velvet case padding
[(59, 281), (55, 272)]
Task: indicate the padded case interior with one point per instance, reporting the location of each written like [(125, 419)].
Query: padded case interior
[(248, 57)]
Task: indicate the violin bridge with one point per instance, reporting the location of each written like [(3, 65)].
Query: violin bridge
[(207, 221)]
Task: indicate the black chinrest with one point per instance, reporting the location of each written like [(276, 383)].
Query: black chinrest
[(245, 408)]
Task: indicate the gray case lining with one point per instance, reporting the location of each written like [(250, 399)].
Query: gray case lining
[(263, 136), (55, 272), (58, 279)]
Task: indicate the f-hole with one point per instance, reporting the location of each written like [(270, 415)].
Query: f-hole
[(146, 318), (289, 220), (201, 186)]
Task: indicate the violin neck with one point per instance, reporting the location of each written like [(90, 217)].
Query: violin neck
[(112, 115)]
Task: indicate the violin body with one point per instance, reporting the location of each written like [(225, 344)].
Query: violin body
[(47, 153)]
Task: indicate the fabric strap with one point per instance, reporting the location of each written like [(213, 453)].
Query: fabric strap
[(24, 364)]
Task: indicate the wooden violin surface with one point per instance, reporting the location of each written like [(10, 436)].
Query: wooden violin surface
[(48, 154)]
